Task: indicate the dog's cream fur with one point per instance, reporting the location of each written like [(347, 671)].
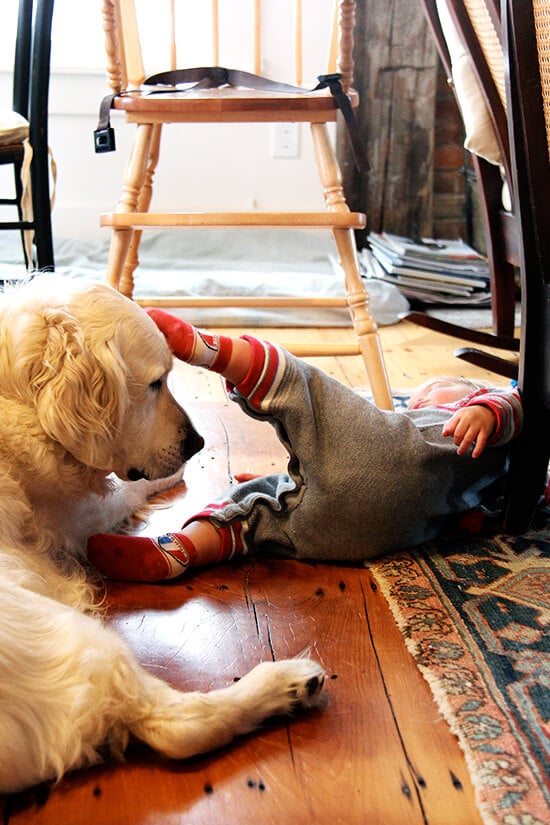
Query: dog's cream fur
[(83, 395)]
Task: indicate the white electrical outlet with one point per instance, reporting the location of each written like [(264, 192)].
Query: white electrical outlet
[(286, 140)]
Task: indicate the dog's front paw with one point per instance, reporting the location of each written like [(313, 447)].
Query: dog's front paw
[(152, 487)]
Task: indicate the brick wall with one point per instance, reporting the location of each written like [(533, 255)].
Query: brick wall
[(455, 205), (450, 219)]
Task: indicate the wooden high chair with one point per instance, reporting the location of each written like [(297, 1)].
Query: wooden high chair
[(235, 101)]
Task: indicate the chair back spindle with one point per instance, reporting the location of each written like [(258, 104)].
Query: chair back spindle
[(332, 57), (173, 46), (257, 36), (215, 33), (346, 25), (298, 53), (127, 65)]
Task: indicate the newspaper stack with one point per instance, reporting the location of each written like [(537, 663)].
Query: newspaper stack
[(428, 271)]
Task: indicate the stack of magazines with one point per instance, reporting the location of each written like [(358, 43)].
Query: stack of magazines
[(428, 271)]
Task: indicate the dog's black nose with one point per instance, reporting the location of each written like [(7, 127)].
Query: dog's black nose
[(134, 474), (191, 444)]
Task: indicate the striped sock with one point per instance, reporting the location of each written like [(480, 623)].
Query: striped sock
[(139, 558)]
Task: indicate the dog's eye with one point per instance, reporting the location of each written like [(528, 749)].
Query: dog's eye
[(156, 385)]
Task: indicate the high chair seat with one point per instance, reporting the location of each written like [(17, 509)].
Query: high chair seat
[(222, 105)]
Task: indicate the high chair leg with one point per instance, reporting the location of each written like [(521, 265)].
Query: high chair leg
[(143, 203), (118, 251), (364, 324), (120, 273), (357, 296)]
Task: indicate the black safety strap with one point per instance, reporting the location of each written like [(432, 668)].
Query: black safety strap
[(208, 77), (104, 135), (332, 81)]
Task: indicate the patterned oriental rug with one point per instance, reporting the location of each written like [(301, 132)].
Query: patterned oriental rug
[(475, 614)]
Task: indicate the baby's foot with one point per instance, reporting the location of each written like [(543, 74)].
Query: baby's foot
[(201, 349), (139, 558)]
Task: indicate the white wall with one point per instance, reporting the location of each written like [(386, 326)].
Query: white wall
[(199, 168)]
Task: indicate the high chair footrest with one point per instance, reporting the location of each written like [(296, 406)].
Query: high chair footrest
[(215, 301), (138, 220)]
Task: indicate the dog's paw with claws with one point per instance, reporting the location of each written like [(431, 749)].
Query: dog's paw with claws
[(303, 688), (275, 688)]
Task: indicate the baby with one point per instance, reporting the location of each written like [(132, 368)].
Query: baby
[(360, 481)]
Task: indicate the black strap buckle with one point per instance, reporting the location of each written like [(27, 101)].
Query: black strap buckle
[(104, 135), (329, 78)]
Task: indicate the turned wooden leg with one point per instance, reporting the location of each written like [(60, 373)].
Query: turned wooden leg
[(143, 203), (118, 250), (357, 296), (364, 324), (119, 274)]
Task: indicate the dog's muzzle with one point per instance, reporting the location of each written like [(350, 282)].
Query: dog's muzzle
[(191, 444)]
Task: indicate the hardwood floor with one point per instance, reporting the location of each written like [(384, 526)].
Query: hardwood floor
[(375, 752)]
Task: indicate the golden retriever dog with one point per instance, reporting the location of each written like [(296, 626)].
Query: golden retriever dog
[(89, 431)]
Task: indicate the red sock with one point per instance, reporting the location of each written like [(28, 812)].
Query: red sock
[(138, 558), (191, 345)]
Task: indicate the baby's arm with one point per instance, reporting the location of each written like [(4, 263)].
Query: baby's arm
[(471, 426)]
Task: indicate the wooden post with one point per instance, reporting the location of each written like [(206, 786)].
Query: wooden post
[(395, 74)]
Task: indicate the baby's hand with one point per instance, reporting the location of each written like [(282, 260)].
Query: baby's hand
[(471, 425), (240, 477)]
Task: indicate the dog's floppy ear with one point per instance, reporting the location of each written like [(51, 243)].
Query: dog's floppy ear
[(78, 388)]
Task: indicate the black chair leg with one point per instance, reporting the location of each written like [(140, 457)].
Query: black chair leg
[(40, 75), (528, 477)]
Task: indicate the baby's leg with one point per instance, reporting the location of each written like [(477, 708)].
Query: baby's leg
[(140, 558)]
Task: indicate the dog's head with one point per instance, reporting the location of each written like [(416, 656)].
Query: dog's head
[(94, 367)]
